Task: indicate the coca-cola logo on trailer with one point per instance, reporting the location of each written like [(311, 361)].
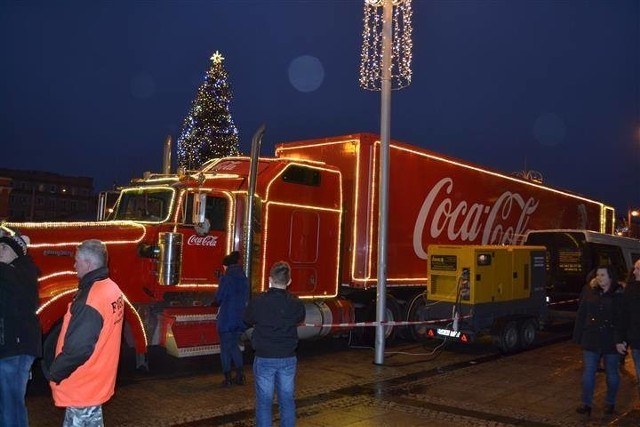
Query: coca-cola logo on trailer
[(466, 222), (202, 240)]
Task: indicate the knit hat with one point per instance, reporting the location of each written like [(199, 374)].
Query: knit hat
[(231, 259), (16, 242)]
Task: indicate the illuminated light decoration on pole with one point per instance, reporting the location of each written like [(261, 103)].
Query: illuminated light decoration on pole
[(401, 50), (385, 63)]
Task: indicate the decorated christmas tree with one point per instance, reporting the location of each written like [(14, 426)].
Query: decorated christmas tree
[(208, 131)]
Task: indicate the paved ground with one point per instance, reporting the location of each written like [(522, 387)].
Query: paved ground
[(539, 387)]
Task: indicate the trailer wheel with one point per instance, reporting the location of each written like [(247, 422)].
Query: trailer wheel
[(368, 333), (527, 329), (508, 337), (418, 313)]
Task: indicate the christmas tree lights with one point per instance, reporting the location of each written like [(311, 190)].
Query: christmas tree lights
[(208, 131)]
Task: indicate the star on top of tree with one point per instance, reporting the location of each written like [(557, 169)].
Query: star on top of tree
[(216, 57)]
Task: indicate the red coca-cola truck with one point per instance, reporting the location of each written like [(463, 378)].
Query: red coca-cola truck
[(316, 206)]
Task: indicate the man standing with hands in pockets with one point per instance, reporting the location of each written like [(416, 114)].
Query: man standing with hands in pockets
[(275, 315)]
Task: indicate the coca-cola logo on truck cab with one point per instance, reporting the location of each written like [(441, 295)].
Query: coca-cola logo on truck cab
[(466, 222), (194, 240)]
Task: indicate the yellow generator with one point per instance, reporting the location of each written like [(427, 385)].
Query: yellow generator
[(499, 290)]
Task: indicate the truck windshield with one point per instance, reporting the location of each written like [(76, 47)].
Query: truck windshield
[(144, 204)]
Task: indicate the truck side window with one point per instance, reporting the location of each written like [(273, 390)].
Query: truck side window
[(143, 204), (216, 212), (301, 175)]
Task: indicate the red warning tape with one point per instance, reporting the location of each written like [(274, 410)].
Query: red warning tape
[(402, 323)]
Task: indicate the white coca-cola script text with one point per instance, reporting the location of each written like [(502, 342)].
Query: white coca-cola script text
[(467, 222), (202, 241)]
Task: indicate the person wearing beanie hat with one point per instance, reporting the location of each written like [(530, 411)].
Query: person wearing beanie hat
[(232, 297), (17, 243), (20, 333)]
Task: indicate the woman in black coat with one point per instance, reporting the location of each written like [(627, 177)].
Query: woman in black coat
[(631, 315), (598, 329)]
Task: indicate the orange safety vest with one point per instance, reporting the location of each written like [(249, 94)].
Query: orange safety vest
[(93, 383)]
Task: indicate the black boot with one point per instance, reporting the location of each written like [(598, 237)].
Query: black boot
[(240, 379), (227, 380), (584, 409), (609, 409)]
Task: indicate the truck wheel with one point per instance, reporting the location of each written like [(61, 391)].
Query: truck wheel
[(418, 313), (528, 328), (508, 337), (390, 331)]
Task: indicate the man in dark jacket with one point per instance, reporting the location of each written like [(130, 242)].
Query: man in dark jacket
[(20, 336), (232, 297), (631, 316), (598, 329), (275, 315)]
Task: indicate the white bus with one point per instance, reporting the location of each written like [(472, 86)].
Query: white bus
[(572, 254)]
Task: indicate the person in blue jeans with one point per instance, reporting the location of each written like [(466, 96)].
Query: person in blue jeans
[(232, 296), (275, 315), (599, 331), (631, 317), (20, 336)]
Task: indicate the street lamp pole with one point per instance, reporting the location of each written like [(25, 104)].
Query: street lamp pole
[(383, 217), (386, 59)]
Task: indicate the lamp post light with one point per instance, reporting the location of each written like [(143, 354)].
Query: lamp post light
[(632, 213)]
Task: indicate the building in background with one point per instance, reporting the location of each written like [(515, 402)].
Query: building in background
[(44, 196)]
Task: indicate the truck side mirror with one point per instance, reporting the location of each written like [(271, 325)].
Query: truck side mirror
[(200, 222), (199, 208)]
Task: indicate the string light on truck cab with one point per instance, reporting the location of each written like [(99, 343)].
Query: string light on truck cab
[(196, 285), (337, 210), (75, 289), (351, 146), (79, 225), (57, 274), (55, 298), (138, 318)]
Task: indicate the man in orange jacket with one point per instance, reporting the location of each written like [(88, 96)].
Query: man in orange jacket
[(83, 373)]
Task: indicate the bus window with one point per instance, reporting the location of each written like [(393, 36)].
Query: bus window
[(609, 255)]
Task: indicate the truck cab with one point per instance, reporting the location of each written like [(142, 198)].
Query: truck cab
[(167, 235)]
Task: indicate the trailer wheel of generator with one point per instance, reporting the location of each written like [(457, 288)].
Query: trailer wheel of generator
[(390, 331), (528, 328), (418, 313), (508, 337)]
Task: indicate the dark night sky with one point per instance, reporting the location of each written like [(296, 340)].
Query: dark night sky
[(92, 88)]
